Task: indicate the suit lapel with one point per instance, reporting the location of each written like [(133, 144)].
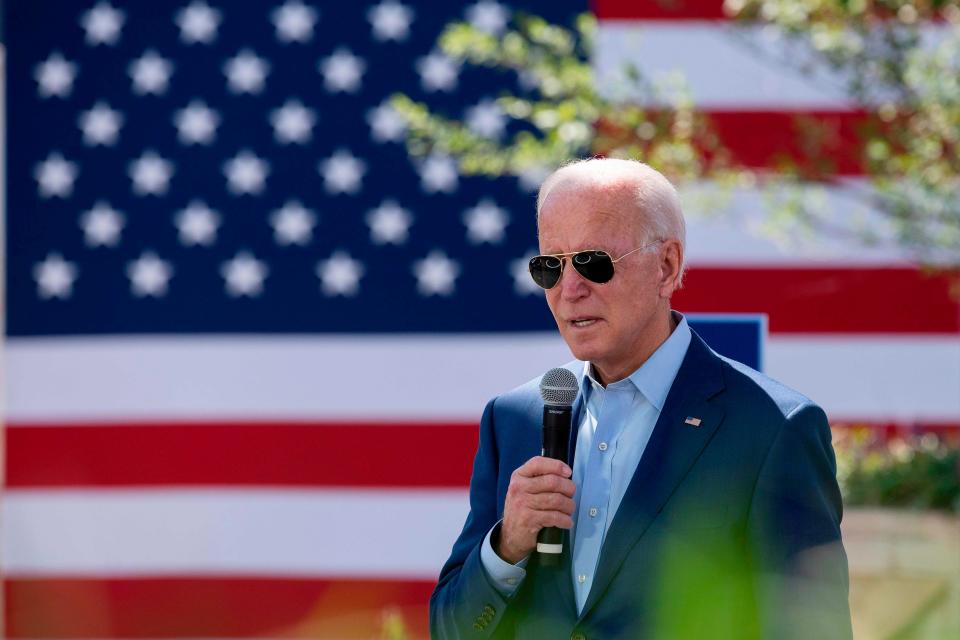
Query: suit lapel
[(673, 448)]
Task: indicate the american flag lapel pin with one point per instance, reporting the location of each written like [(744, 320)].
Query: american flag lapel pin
[(693, 422)]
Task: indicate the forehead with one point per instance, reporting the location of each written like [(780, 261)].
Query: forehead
[(582, 216)]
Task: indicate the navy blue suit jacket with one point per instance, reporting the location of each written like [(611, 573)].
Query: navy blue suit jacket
[(727, 530)]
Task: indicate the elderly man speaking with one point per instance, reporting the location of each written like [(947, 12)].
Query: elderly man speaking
[(701, 501)]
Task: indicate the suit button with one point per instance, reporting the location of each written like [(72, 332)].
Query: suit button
[(578, 636), (477, 626), (489, 610)]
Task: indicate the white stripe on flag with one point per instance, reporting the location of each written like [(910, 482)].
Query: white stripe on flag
[(726, 226), (376, 377), (725, 65), (383, 533), (64, 380), (882, 378)]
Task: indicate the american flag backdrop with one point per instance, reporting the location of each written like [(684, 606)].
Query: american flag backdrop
[(249, 338)]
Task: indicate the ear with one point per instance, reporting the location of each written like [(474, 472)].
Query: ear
[(671, 262)]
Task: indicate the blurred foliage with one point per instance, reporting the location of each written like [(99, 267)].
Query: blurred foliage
[(910, 76), (911, 141), (561, 114), (916, 472), (392, 625)]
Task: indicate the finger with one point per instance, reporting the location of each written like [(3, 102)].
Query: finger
[(552, 519), (540, 465), (552, 502), (548, 484)]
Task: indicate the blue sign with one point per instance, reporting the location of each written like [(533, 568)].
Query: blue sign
[(740, 336)]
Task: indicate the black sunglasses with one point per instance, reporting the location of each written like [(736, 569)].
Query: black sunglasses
[(595, 265)]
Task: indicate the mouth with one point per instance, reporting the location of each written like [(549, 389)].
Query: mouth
[(583, 322)]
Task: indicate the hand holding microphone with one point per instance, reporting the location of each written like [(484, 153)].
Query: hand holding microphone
[(539, 500)]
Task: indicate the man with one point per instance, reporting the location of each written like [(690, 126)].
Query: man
[(701, 501)]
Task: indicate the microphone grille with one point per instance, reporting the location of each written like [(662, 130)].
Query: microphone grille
[(558, 387)]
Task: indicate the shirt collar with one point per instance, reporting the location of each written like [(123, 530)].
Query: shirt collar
[(655, 376)]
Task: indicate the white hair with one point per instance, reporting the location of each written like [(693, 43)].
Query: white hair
[(655, 198)]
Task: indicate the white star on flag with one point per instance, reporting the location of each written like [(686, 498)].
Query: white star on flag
[(55, 277), (102, 225), (55, 176), (292, 123), (486, 119), (485, 222), (342, 172), (339, 274), (246, 72), (523, 284), (532, 177), (196, 124), (488, 16), (198, 23), (438, 72), (386, 125), (438, 173), (528, 79), (102, 24), (150, 74), (149, 275), (294, 21), (389, 223), (246, 173), (436, 274), (197, 224), (292, 224), (150, 174), (390, 20), (244, 275), (342, 71), (100, 125), (55, 76)]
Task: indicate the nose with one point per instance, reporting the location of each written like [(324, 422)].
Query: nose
[(572, 285)]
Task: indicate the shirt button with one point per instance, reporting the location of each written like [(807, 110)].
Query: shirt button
[(581, 578), (593, 512), (602, 446)]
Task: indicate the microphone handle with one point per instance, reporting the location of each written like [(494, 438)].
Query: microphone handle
[(556, 442)]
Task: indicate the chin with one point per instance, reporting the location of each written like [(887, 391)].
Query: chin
[(582, 350)]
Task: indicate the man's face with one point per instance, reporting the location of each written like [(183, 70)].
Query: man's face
[(618, 324)]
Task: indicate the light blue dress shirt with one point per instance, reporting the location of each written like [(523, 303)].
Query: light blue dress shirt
[(616, 424)]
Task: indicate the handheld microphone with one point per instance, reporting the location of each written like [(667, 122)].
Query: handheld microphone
[(558, 388)]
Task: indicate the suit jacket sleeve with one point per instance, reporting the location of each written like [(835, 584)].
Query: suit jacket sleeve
[(800, 566), (465, 603)]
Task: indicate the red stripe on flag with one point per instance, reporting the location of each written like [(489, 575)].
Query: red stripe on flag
[(949, 431), (658, 9), (214, 607), (283, 454), (812, 144), (693, 10), (871, 300)]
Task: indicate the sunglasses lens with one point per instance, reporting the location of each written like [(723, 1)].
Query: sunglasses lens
[(545, 270), (595, 266)]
